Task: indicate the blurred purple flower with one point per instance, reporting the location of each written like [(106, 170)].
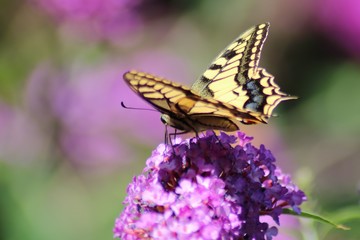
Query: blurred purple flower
[(341, 21), (290, 228), (20, 140), (83, 104), (100, 19), (206, 189)]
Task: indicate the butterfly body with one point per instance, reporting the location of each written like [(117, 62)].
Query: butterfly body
[(232, 91)]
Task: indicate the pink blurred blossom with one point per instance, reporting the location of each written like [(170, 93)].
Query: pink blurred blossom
[(341, 21), (20, 140), (98, 19), (289, 226), (85, 103)]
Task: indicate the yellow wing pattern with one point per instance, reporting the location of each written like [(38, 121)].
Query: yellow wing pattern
[(240, 58), (231, 91), (183, 109)]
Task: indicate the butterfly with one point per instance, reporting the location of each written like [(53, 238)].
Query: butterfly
[(233, 90)]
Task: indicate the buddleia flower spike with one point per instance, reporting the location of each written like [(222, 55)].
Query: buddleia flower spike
[(207, 190)]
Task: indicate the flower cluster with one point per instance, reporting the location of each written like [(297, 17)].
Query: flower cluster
[(340, 22), (97, 18), (207, 188), (58, 99)]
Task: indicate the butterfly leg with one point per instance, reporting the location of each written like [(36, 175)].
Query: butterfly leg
[(175, 134), (197, 134), (218, 139), (166, 136), (172, 135)]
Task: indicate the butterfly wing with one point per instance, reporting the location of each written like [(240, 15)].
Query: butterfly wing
[(235, 78), (183, 109), (159, 92)]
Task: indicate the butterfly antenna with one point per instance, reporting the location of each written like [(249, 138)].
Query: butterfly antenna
[(133, 108)]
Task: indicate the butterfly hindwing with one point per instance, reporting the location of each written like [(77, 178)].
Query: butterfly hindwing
[(264, 94)]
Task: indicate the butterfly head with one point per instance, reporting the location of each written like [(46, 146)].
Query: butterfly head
[(175, 122), (164, 119)]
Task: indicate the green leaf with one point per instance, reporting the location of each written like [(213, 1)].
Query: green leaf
[(348, 213), (315, 217)]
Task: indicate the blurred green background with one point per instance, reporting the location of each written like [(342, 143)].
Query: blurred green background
[(68, 149)]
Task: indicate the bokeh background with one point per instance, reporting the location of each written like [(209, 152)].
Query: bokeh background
[(68, 149)]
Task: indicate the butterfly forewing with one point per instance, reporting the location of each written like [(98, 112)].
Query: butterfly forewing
[(159, 92), (185, 109)]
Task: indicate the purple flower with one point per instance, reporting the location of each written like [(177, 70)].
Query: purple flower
[(83, 105), (99, 19), (20, 140), (207, 188), (340, 20)]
